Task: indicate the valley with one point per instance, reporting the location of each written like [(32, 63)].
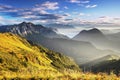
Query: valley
[(59, 40), (84, 48)]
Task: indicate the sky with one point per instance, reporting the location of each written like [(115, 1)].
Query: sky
[(79, 13)]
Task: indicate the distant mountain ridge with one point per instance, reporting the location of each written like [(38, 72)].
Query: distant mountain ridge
[(25, 28), (91, 31), (105, 64), (88, 35), (94, 36), (108, 57), (98, 39), (81, 51), (20, 60)]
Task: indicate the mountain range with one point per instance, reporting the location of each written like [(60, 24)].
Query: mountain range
[(98, 39), (86, 46), (24, 29)]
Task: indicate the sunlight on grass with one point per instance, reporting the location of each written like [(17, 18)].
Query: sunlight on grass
[(21, 61)]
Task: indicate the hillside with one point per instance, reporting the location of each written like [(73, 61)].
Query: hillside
[(80, 51), (108, 66), (105, 64), (21, 59)]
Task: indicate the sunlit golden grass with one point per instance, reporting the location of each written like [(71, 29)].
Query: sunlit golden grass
[(12, 42), (21, 61), (49, 75)]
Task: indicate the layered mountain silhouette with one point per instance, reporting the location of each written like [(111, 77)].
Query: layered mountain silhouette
[(114, 37), (103, 59), (81, 51), (94, 36), (98, 39), (91, 49), (105, 64), (24, 29), (90, 34)]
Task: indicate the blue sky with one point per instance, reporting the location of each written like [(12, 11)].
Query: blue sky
[(82, 14), (59, 11)]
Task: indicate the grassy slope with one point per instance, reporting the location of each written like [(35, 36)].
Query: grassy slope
[(21, 60)]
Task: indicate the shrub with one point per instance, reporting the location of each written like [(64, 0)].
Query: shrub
[(1, 60), (13, 69)]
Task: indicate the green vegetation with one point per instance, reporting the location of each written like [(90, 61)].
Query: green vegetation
[(107, 67), (20, 60), (106, 64)]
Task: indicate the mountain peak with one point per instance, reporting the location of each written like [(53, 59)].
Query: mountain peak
[(26, 28), (26, 23), (93, 35), (112, 57), (94, 30), (23, 22)]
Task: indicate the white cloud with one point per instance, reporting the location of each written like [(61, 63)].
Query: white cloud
[(29, 16), (50, 5), (74, 1), (85, 1), (5, 6), (91, 6), (1, 18), (70, 32), (37, 8), (108, 20), (66, 7), (8, 8), (41, 8), (40, 21), (67, 14), (26, 13), (9, 21), (79, 1), (81, 14), (103, 23)]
